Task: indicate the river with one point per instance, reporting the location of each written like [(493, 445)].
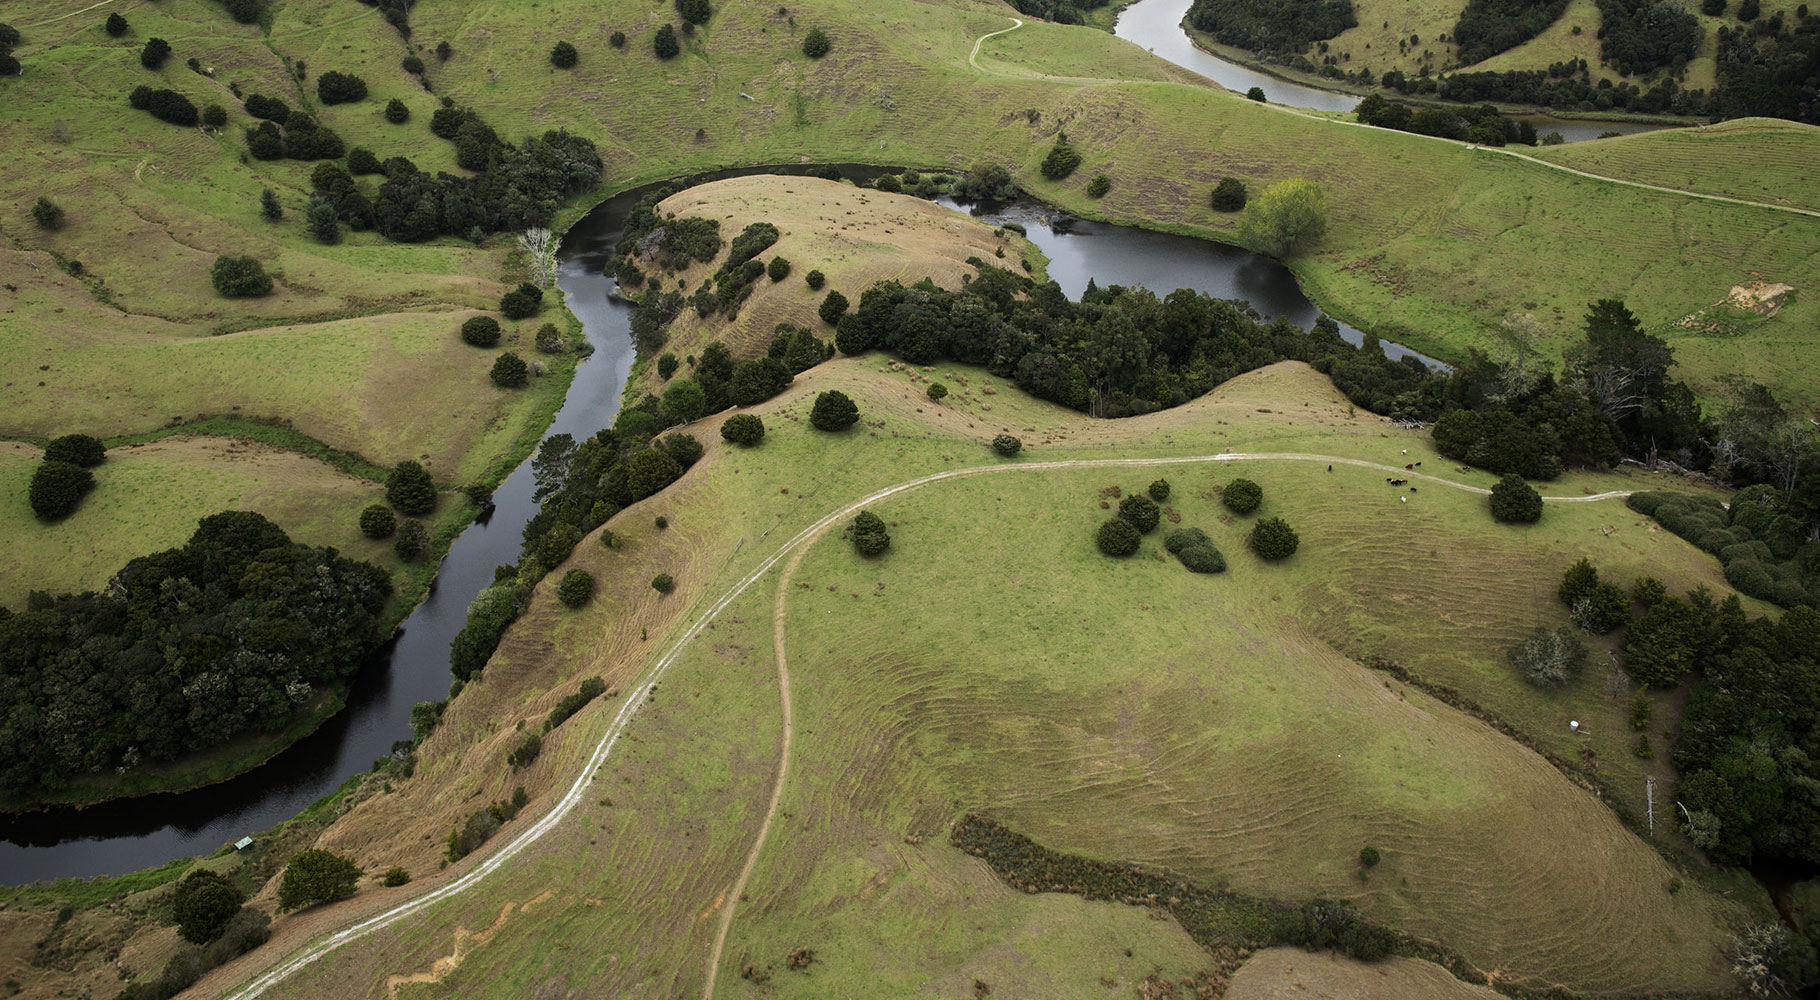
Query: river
[(1157, 25), (142, 833)]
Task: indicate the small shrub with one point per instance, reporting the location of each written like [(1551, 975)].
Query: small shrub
[(743, 429), (1644, 749), (869, 535), (396, 112), (816, 44), (576, 587), (156, 51), (936, 392), (1514, 501), (1007, 445), (214, 116), (665, 45), (564, 56), (1549, 658), (1273, 539), (1118, 538), (516, 304), (526, 752), (832, 308), (617, 39), (778, 269), (47, 214), (412, 65), (1229, 195), (1256, 94), (409, 489), (1159, 490), (1141, 511), (362, 161), (481, 331), (335, 87), (1202, 559), (510, 371), (661, 522), (116, 25), (666, 365), (815, 279), (833, 411), (1641, 708), (378, 521), (1369, 857), (202, 904), (1098, 186), (395, 877), (413, 541), (1242, 496), (316, 876), (240, 277), (1061, 161), (549, 340), (663, 583), (76, 449)]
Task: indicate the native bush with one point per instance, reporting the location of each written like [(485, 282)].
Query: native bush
[(549, 340), (412, 65), (1159, 490), (409, 489), (832, 308), (1549, 658), (1578, 582), (1605, 607), (156, 51), (378, 521), (1061, 161), (116, 25), (683, 449), (1229, 195), (1098, 186), (778, 269), (1273, 539), (316, 876), (269, 108), (576, 587), (665, 45), (362, 161), (1141, 511), (1242, 496), (1195, 550), (833, 411), (413, 541), (1007, 445), (936, 392), (526, 752), (564, 56), (488, 616), (397, 112), (815, 280), (335, 87), (203, 903), (240, 277), (1118, 538), (395, 877), (617, 39), (590, 689), (889, 184), (869, 535), (76, 449), (744, 429), (1514, 501), (663, 583), (685, 400), (47, 214), (510, 371), (515, 304), (166, 105), (816, 44)]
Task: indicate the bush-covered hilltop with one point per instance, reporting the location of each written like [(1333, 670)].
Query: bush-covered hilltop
[(186, 649)]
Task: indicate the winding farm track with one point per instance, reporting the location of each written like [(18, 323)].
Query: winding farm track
[(647, 684), (973, 60)]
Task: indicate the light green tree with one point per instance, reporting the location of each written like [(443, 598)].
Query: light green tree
[(1288, 218)]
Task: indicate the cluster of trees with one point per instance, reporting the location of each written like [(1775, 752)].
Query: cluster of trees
[(1638, 37), (1278, 26), (186, 648), (1059, 11), (208, 910), (1484, 124), (336, 87), (1770, 69), (286, 133), (10, 37), (518, 187), (1488, 27), (1566, 85), (63, 478), (166, 105), (483, 824), (1764, 538)]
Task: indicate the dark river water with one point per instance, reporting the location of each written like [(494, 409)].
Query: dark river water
[(140, 833)]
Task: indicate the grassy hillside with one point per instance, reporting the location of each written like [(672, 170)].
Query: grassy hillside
[(1151, 716), (1782, 154)]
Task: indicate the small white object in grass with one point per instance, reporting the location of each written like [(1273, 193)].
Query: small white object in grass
[(1573, 724)]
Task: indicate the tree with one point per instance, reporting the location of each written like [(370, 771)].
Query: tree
[(1663, 646), (397, 112), (378, 521), (1619, 367), (1007, 445), (1098, 186), (481, 331), (47, 214), (936, 392), (684, 449), (1604, 608), (335, 87), (444, 50), (409, 489), (617, 39), (1514, 501), (1549, 658), (1061, 161), (412, 542), (58, 488), (832, 308), (1288, 218), (663, 583), (362, 161), (510, 371), (816, 44), (869, 535), (685, 400), (1369, 857), (116, 25), (203, 903), (576, 587), (1256, 94), (1159, 490), (1578, 582), (666, 45), (1117, 538), (240, 277), (214, 116), (564, 56), (814, 280), (1229, 195), (156, 51), (395, 877), (76, 449), (1242, 496), (1273, 539), (694, 11), (778, 269), (744, 429), (516, 304), (1141, 511), (269, 206), (412, 65), (1748, 10), (833, 411), (324, 225), (316, 876)]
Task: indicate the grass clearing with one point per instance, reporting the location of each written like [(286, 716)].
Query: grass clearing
[(1782, 157)]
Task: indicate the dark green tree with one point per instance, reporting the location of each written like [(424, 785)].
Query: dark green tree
[(58, 488), (1664, 645), (1141, 511), (409, 489), (1098, 186), (564, 56), (395, 877), (335, 87), (815, 280), (1605, 608), (116, 25), (510, 371), (203, 903), (316, 876), (1256, 94), (269, 206), (1118, 538), (832, 308), (869, 535), (617, 39), (1273, 539), (778, 269), (412, 542), (412, 65), (1159, 490), (1514, 501), (684, 449), (214, 116), (663, 583), (685, 400), (1007, 445), (936, 392), (240, 277), (324, 225), (362, 161), (516, 304), (1242, 496), (481, 331), (47, 214), (396, 112), (156, 51), (576, 587), (666, 46), (816, 44), (833, 411), (378, 521), (744, 429), (1061, 161), (1578, 582), (694, 11), (76, 449), (1229, 195)]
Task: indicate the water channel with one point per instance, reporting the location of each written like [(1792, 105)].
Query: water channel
[(140, 833)]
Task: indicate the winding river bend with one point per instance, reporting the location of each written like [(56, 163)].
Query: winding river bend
[(141, 833)]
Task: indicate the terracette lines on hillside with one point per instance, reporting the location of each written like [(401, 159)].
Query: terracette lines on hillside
[(648, 683)]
